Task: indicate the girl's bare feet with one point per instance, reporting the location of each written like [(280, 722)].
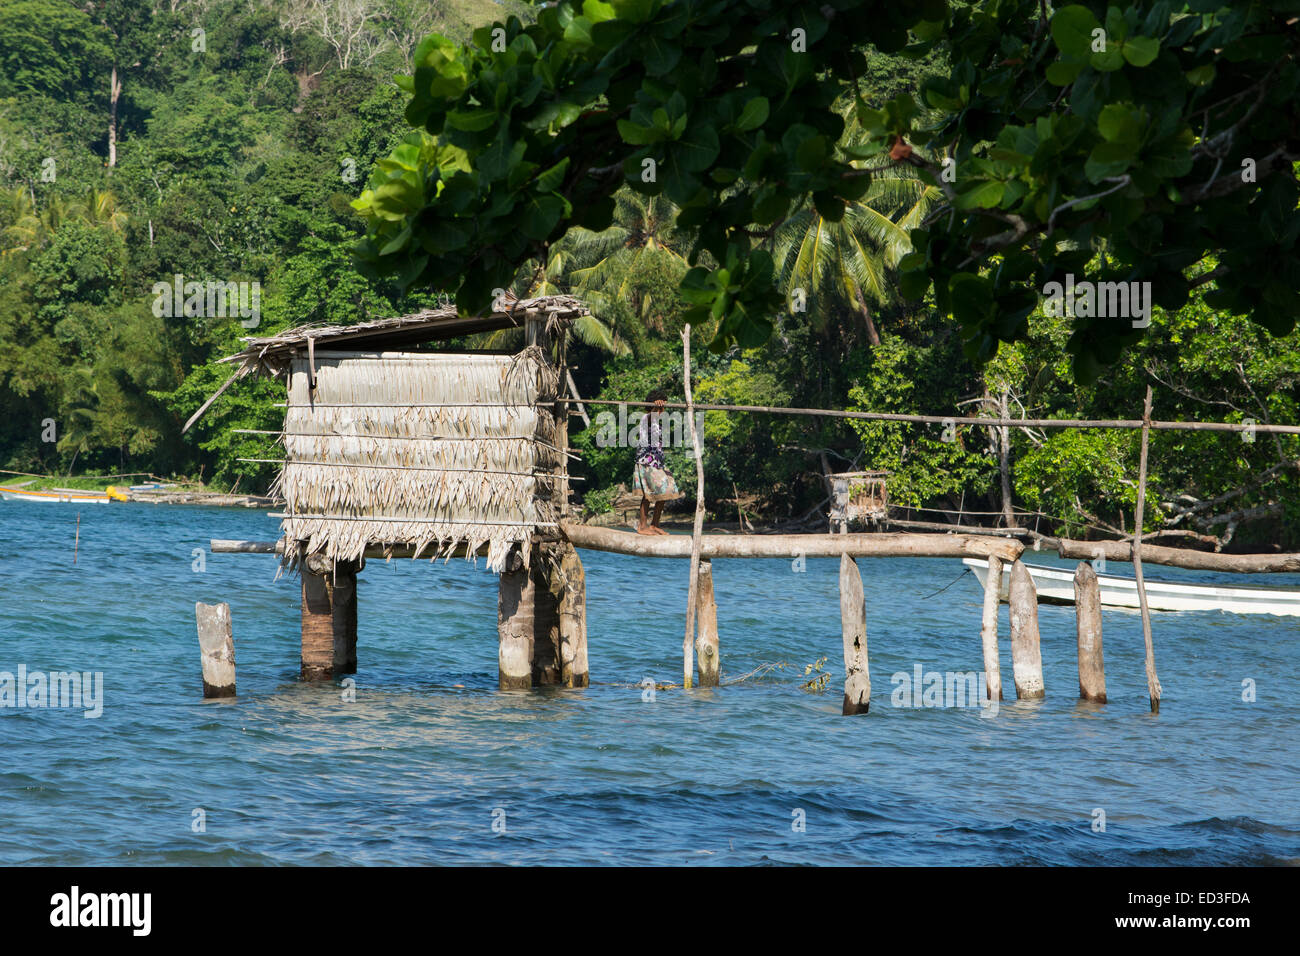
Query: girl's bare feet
[(657, 530), (645, 530)]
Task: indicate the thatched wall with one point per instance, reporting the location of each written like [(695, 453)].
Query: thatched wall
[(427, 450)]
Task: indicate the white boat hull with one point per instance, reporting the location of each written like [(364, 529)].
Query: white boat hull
[(56, 497), (1056, 586)]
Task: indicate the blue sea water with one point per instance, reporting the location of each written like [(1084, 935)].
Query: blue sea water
[(432, 764)]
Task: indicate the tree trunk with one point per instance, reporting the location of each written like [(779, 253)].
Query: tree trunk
[(114, 92), (872, 335), (1004, 465)]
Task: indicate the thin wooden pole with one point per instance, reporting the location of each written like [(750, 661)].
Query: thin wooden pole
[(1026, 655), (853, 629), (707, 618), (688, 644), (573, 389), (561, 414), (1153, 682), (1133, 424), (989, 629), (1087, 606)]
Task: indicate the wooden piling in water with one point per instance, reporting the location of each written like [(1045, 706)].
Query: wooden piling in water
[(329, 618), (1026, 655), (216, 649), (547, 591), (529, 623), (853, 627), (515, 628), (573, 620), (706, 614), (989, 629), (1087, 606)]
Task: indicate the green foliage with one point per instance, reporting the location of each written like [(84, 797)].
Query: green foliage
[(745, 448), (1123, 127), (229, 165), (50, 48), (903, 378), (780, 162), (1073, 466), (1154, 135), (724, 108)]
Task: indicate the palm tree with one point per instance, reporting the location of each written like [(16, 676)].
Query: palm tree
[(848, 262), (100, 207), (24, 227), (601, 268), (644, 228), (29, 225)]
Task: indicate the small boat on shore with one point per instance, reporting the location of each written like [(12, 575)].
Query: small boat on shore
[(1056, 586), (65, 495)]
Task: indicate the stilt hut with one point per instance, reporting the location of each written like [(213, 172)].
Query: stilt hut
[(392, 449)]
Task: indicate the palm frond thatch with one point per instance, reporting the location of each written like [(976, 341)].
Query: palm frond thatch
[(425, 450)]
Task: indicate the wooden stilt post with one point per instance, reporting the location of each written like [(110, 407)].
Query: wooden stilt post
[(529, 622), (1087, 606), (515, 600), (853, 626), (329, 618), (989, 629), (343, 595), (573, 620), (1026, 655), (216, 649), (1153, 682), (547, 590), (707, 618)]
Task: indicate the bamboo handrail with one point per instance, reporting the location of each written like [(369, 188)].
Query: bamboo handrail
[(1135, 424)]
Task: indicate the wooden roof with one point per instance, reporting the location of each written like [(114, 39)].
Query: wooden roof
[(271, 354), (431, 325)]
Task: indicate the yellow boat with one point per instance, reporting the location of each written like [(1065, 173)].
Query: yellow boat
[(63, 495)]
